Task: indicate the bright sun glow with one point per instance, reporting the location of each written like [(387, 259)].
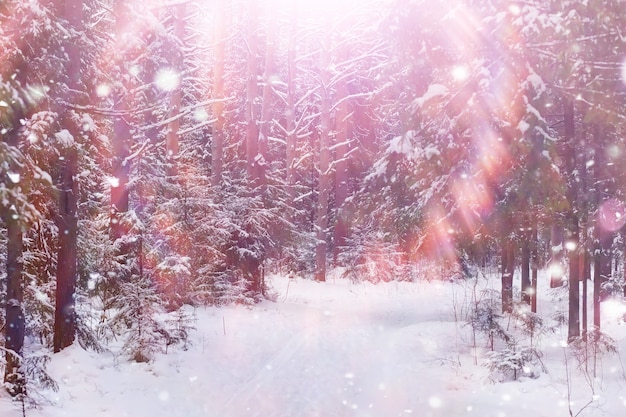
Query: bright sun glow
[(167, 79), (460, 73), (556, 270)]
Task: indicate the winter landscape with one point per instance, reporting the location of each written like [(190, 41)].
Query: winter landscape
[(280, 208), (349, 349)]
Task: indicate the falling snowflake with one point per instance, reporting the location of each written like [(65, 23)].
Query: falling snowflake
[(103, 90), (167, 79)]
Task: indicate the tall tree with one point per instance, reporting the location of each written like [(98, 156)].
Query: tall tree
[(324, 185), (217, 144), (67, 220)]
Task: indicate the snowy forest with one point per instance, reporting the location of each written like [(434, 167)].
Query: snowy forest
[(158, 157)]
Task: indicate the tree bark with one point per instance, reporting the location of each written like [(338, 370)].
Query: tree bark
[(535, 268), (527, 290), (64, 315), (172, 136), (252, 128), (342, 127), (556, 249), (508, 270), (120, 141), (573, 241), (217, 144), (324, 163), (67, 219), (290, 116), (603, 237), (266, 103), (15, 321)]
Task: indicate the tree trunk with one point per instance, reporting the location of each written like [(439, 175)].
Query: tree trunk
[(290, 115), (67, 222), (527, 289), (341, 146), (584, 268), (556, 249), (252, 129), (324, 163), (266, 104), (121, 140), (573, 240), (67, 219), (573, 329), (534, 268), (172, 136), (217, 144), (15, 322), (602, 259), (508, 270)]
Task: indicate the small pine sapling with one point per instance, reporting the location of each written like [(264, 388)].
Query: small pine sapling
[(513, 362)]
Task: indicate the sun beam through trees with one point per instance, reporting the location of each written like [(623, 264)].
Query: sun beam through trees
[(160, 154)]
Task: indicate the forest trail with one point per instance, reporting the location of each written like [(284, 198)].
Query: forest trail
[(354, 355), (334, 349)]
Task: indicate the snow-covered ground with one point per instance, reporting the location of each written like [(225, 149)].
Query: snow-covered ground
[(334, 349)]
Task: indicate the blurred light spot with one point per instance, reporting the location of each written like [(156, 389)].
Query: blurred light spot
[(435, 402), (460, 73), (556, 270), (570, 245), (103, 90), (611, 214), (167, 79), (201, 114), (114, 182)]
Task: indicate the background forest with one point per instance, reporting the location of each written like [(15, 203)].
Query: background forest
[(156, 154)]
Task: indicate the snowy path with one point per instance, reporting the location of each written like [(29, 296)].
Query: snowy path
[(322, 350)]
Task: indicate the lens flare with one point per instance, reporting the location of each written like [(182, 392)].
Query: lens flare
[(612, 215)]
